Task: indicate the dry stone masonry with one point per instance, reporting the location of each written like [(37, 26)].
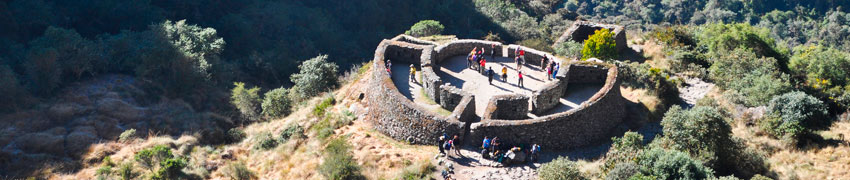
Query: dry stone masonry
[(581, 30), (506, 116)]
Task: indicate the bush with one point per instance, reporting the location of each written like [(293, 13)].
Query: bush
[(492, 37), (171, 168), (793, 114), (150, 157), (538, 44), (125, 171), (293, 131), (238, 171), (127, 135), (265, 141), (246, 100), (235, 135), (560, 169), (701, 132), (425, 28), (757, 79), (760, 177), (569, 49), (276, 103), (600, 45), (316, 75), (826, 69), (622, 171), (320, 108), (720, 39), (623, 150), (338, 163), (671, 164)]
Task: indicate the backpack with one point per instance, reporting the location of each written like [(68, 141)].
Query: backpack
[(448, 144)]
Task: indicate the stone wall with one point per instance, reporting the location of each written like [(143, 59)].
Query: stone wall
[(411, 39), (507, 106), (591, 122), (396, 116), (548, 96), (404, 52), (451, 96), (463, 47), (581, 30), (465, 110), (532, 56), (582, 72)]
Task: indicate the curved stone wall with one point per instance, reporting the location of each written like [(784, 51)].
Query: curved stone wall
[(400, 118), (591, 121)]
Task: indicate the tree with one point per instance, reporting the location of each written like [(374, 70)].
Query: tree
[(276, 103), (757, 78), (826, 69), (701, 132), (316, 75), (425, 28), (560, 169), (246, 100), (672, 164), (201, 45), (600, 45)]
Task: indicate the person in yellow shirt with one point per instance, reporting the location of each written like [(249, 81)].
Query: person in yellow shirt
[(504, 73), (412, 73)]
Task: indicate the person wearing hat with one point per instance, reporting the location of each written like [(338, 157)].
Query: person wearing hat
[(412, 73)]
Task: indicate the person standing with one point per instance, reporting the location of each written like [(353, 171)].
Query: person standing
[(543, 61), (548, 72), (440, 143), (518, 66), (485, 146), (492, 51), (483, 64), (490, 75), (555, 70), (455, 142), (504, 73), (412, 73), (469, 58), (519, 75), (522, 56)]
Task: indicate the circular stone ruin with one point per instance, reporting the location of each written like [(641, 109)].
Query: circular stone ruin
[(581, 105)]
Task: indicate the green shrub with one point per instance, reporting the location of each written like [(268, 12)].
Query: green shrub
[(125, 171), (293, 131), (320, 108), (826, 69), (246, 100), (560, 169), (238, 171), (569, 49), (700, 131), (338, 163), (492, 37), (538, 44), (316, 75), (760, 177), (265, 141), (623, 150), (150, 157), (623, 171), (276, 103), (641, 176), (425, 28), (127, 135), (726, 178), (671, 164), (600, 45), (171, 168), (757, 79), (720, 39), (104, 170), (235, 135), (793, 114)]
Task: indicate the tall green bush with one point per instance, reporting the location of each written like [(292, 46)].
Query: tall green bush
[(316, 75), (277, 103), (425, 28), (569, 49), (247, 101), (757, 78), (560, 169), (795, 113), (826, 69), (671, 164), (600, 45)]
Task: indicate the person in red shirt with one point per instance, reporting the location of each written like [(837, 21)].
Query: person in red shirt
[(483, 64)]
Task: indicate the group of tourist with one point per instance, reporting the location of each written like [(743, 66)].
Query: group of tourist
[(493, 149), (447, 145), (475, 60)]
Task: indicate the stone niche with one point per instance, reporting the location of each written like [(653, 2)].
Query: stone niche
[(581, 30), (451, 96), (508, 107)]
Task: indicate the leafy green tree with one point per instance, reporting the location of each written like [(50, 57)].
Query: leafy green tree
[(425, 28), (600, 45), (338, 163), (316, 75), (623, 149), (560, 169), (246, 100), (795, 113), (201, 45), (701, 131), (276, 103), (826, 69), (719, 39), (151, 157)]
